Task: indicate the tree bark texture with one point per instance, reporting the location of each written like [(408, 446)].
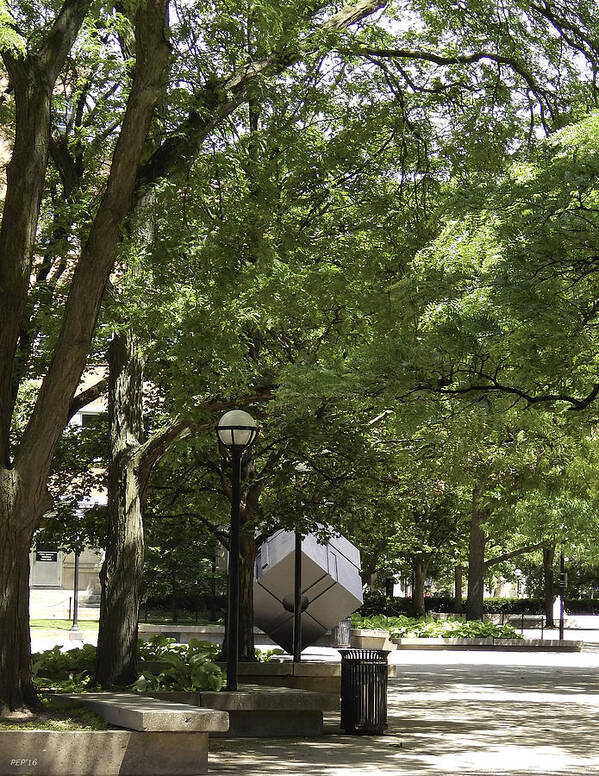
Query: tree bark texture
[(122, 570), (23, 491), (476, 560), (548, 558), (16, 531), (248, 512), (458, 584), (97, 256), (247, 650), (419, 567), (32, 78)]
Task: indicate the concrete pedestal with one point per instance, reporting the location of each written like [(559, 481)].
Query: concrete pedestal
[(262, 712)]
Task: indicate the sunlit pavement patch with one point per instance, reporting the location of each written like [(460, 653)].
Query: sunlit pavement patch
[(454, 714)]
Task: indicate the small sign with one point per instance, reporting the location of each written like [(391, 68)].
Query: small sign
[(46, 557)]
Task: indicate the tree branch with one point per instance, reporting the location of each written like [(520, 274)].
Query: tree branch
[(494, 385), (218, 100), (32, 79), (513, 554), (85, 397), (158, 444), (95, 263), (466, 59), (61, 37)]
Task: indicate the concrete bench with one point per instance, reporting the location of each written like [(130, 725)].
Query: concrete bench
[(137, 712), (256, 711), (161, 738)]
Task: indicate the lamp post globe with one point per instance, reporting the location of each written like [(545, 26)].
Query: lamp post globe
[(236, 431)]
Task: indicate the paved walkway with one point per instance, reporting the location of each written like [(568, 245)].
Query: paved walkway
[(463, 713)]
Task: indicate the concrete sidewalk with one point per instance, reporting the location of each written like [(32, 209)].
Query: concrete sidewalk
[(464, 713)]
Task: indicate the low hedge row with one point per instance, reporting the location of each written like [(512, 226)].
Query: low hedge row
[(376, 602), (427, 627)]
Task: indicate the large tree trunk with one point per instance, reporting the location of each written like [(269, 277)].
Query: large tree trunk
[(23, 487), (457, 593), (23, 490), (16, 530), (121, 574), (247, 651), (419, 567), (548, 557), (248, 512), (32, 79), (476, 560)]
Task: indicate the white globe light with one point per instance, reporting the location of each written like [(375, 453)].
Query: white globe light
[(236, 428)]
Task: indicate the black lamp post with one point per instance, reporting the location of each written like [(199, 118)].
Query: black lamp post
[(75, 630), (297, 586), (297, 600), (518, 573), (563, 582), (236, 431)]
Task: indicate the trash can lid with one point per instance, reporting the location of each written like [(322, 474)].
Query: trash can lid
[(376, 655)]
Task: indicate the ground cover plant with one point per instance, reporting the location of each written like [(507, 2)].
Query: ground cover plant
[(59, 717), (428, 627), (185, 667), (70, 671), (265, 656), (188, 666)]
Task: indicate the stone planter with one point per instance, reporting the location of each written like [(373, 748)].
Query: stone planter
[(321, 677), (441, 643), (184, 633), (499, 644), (375, 638), (155, 739)]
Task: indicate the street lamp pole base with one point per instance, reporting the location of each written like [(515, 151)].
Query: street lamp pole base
[(75, 633)]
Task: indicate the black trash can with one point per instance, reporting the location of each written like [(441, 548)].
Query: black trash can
[(364, 691)]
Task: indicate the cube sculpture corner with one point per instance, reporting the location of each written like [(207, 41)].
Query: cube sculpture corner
[(331, 586)]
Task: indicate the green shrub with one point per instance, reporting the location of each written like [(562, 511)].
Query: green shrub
[(582, 605), (58, 671), (185, 667), (376, 602), (513, 606), (267, 655), (427, 627)]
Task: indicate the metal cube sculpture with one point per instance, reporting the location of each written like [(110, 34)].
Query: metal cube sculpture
[(331, 586)]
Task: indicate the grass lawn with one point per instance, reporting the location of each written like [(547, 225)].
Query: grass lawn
[(54, 717), (157, 619), (89, 625)]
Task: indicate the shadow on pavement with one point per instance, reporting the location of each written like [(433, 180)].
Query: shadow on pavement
[(448, 719)]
